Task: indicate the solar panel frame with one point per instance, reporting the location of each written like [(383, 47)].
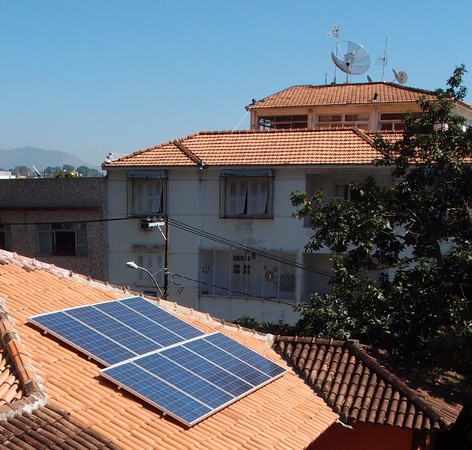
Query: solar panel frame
[(182, 386), (101, 338)]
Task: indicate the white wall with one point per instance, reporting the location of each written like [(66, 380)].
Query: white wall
[(193, 200)]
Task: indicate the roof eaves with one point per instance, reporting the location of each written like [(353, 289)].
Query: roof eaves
[(436, 419), (256, 103), (399, 385)]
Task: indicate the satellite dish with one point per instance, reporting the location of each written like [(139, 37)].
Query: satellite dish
[(400, 76), (351, 58)]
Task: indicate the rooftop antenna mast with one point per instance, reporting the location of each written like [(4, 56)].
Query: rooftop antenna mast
[(335, 33), (384, 59)]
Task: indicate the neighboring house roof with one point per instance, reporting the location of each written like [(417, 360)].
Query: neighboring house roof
[(258, 148), (359, 388), (52, 396), (342, 94)]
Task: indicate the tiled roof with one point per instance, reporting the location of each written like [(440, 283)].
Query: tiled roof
[(341, 94), (54, 397), (258, 148), (49, 427), (359, 388)]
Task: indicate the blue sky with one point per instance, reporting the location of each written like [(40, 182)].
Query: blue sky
[(91, 77)]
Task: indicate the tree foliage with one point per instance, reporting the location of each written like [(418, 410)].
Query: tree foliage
[(403, 253)]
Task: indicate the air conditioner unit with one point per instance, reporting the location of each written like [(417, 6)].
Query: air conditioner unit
[(150, 224)]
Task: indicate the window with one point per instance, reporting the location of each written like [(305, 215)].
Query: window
[(235, 273), (63, 239), (394, 121), (345, 191), (327, 121), (5, 237), (154, 262), (246, 194), (317, 278), (283, 122), (146, 192)]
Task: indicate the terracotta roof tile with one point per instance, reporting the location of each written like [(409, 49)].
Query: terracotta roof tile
[(69, 405), (258, 148), (361, 389), (341, 94)]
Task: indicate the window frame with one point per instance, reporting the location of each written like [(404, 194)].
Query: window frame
[(140, 187), (394, 121), (342, 120), (154, 262), (52, 239), (283, 122), (345, 187), (243, 193), (5, 237)]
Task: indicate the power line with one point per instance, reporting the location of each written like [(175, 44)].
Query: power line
[(245, 248), (234, 291), (190, 229)]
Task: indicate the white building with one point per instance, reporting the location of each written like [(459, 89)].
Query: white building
[(226, 232)]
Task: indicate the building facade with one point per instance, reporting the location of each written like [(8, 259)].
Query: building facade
[(57, 220), (210, 214)]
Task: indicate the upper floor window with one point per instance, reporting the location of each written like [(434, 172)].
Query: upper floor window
[(147, 192), (5, 237), (394, 121), (345, 191), (63, 239), (326, 121), (246, 194), (283, 122)]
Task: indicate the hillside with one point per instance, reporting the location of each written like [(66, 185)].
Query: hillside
[(38, 157)]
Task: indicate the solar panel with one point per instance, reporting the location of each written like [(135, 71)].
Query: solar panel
[(196, 378), (113, 331)]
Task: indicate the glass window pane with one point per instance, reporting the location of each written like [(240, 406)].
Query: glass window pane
[(330, 118)]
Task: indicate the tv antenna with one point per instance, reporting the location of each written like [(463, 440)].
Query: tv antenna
[(334, 33), (37, 171), (401, 76), (351, 58), (383, 60)]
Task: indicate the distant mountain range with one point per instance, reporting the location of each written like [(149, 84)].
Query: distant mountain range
[(40, 158)]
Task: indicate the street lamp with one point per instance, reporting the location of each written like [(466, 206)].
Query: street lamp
[(133, 265)]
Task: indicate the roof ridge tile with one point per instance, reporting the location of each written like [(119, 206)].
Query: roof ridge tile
[(33, 394)]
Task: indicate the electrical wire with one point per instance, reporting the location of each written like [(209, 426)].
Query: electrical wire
[(233, 244), (190, 229), (234, 291)]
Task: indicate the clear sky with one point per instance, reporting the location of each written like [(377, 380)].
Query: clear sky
[(91, 77)]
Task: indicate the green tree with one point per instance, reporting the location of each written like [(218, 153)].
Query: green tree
[(403, 253), (22, 171), (85, 171), (49, 171)]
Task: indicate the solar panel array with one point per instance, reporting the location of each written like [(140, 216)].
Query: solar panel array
[(111, 332), (194, 379), (160, 358)]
